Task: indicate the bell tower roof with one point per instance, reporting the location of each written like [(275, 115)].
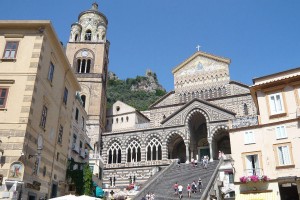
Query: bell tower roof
[(93, 10)]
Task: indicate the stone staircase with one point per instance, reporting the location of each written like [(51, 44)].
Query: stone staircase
[(185, 174)]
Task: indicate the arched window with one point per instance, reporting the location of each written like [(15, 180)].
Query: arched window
[(219, 92), (121, 119), (83, 65), (153, 150), (114, 153), (88, 35), (127, 118), (133, 152), (117, 120), (83, 98), (76, 38), (246, 111)]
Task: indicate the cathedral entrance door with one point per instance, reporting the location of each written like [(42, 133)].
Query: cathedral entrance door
[(203, 151)]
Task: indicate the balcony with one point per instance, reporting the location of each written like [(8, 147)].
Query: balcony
[(75, 147), (254, 171), (244, 121), (82, 153)]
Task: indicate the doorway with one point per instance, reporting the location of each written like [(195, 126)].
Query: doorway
[(288, 191)]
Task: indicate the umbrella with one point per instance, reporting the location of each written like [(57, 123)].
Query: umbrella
[(67, 197), (84, 197)]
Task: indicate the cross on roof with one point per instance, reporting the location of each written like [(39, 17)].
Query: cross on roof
[(198, 47)]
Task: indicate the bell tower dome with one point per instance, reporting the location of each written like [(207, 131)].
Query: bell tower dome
[(87, 51)]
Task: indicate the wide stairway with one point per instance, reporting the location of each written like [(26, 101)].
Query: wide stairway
[(183, 175)]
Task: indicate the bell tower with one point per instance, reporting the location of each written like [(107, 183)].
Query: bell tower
[(87, 51)]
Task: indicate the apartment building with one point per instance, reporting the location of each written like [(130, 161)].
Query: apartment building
[(37, 95), (266, 155)]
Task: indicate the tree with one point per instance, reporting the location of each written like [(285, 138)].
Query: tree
[(87, 180)]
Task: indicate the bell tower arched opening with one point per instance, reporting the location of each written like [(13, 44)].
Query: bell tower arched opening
[(197, 126)]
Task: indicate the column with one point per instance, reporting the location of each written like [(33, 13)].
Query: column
[(164, 151), (210, 149), (187, 147)]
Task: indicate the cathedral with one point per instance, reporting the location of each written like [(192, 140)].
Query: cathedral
[(187, 123)]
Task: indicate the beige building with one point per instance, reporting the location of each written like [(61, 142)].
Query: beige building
[(37, 88), (79, 146), (269, 150)]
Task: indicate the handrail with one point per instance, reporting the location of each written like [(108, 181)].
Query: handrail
[(210, 183), (142, 192)]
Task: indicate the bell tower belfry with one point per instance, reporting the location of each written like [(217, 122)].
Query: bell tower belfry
[(87, 51)]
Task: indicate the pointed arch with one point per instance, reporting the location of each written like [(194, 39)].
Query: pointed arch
[(114, 153)]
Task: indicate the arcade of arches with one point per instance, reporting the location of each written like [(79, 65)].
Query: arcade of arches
[(199, 143)]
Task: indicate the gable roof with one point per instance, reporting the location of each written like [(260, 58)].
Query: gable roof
[(200, 101), (203, 54), (161, 99)]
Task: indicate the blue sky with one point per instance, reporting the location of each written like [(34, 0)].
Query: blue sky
[(259, 36)]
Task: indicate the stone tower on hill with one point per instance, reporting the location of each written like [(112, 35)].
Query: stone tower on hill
[(87, 51)]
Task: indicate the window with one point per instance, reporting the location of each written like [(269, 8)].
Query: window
[(88, 35), (83, 98), (83, 66), (284, 157), (74, 138), (57, 156), (51, 72), (76, 114), (10, 50), (249, 137), (3, 97), (230, 177), (44, 171), (246, 111), (60, 134), (153, 150), (280, 132), (44, 117), (114, 153), (133, 152), (65, 96), (252, 165), (276, 103), (83, 123)]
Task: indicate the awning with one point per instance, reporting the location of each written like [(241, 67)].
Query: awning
[(257, 196)]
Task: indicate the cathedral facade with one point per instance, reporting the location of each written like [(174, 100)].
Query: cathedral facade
[(188, 123)]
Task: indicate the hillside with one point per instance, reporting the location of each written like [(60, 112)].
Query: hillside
[(139, 92)]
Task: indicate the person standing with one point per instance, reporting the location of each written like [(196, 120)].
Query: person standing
[(180, 188), (189, 188), (194, 187), (175, 186), (199, 184)]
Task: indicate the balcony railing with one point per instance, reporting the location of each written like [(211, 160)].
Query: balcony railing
[(254, 171), (75, 147), (244, 121), (82, 153)]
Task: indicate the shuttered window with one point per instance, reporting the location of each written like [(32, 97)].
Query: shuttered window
[(284, 155), (280, 132), (276, 103), (249, 137)]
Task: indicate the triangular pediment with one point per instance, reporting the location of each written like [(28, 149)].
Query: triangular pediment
[(212, 112), (201, 62)]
